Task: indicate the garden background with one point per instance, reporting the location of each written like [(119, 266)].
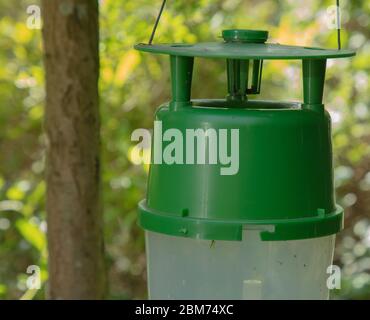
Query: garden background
[(132, 85)]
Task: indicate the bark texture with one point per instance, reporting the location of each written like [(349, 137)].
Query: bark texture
[(74, 215)]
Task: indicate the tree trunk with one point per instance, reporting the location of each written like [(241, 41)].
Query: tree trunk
[(74, 215)]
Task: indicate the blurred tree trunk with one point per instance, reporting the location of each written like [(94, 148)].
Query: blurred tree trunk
[(74, 215)]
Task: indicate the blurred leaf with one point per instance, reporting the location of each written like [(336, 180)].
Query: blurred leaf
[(32, 233)]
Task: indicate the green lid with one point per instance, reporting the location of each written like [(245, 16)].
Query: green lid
[(242, 35)]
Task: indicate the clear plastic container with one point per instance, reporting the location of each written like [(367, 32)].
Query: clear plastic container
[(183, 268)]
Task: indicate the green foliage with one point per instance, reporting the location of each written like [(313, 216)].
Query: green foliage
[(132, 85)]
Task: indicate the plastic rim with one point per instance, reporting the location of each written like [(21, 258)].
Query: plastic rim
[(211, 229)]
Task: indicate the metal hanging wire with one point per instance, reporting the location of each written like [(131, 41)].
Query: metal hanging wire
[(164, 4), (157, 21), (338, 25)]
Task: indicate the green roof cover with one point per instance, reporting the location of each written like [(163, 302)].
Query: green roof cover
[(237, 50), (244, 44)]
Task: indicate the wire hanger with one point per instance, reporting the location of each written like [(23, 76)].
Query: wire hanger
[(164, 4)]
